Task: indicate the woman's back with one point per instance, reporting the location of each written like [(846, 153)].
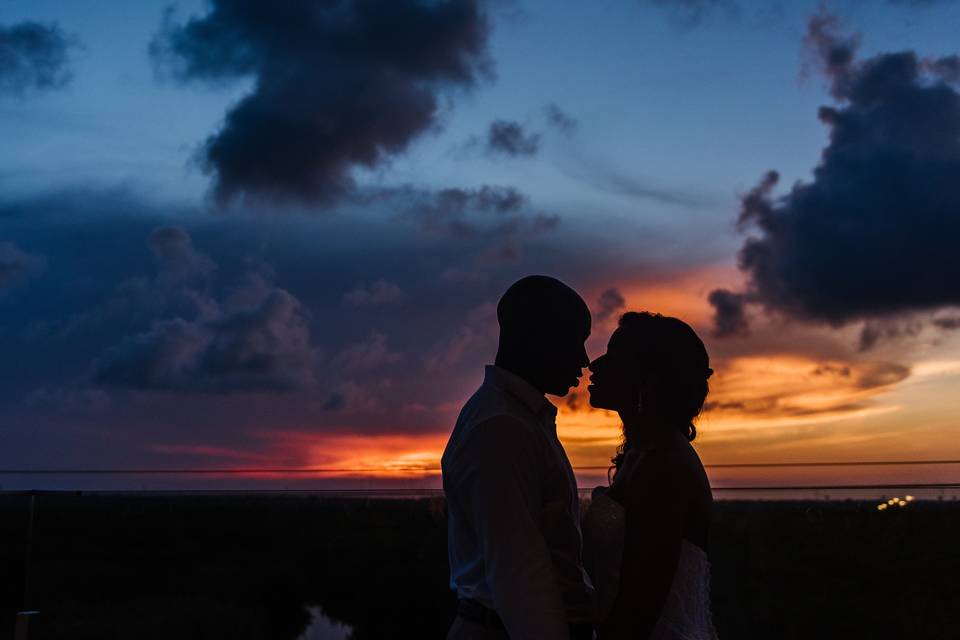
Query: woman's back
[(623, 517)]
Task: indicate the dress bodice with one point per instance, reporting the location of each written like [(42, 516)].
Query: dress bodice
[(686, 612)]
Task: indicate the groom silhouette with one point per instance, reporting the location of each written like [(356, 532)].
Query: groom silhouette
[(513, 511)]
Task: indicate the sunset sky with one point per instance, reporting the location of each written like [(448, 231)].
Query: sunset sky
[(241, 234)]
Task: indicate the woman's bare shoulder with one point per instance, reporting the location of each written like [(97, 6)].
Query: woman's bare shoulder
[(675, 468)]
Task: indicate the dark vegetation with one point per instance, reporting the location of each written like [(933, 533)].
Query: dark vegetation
[(246, 566)]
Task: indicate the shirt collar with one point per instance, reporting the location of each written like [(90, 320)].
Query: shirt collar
[(522, 390)]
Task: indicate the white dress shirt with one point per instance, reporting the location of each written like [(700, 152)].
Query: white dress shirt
[(513, 511)]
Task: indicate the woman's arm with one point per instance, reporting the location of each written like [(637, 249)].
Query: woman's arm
[(656, 508)]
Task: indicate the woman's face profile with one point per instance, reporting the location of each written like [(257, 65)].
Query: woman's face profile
[(614, 383)]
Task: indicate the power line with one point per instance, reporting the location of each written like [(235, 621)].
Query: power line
[(314, 470), (882, 463), (437, 492), (845, 463), (840, 487)]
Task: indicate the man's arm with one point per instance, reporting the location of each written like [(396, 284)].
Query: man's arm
[(503, 489)]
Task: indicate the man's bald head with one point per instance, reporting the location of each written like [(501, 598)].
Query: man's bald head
[(543, 325)]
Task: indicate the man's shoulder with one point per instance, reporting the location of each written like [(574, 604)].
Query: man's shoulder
[(490, 415), (491, 403)]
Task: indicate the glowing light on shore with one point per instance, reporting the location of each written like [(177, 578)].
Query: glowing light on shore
[(895, 502)]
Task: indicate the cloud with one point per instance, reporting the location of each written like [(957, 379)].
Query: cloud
[(509, 138), (923, 4), (349, 396), (447, 211), (477, 335), (170, 273), (873, 331), (785, 387), (265, 347), (260, 348), (873, 235), (560, 120), (613, 181), (947, 323), (729, 313), (691, 13), (68, 400), (256, 338), (181, 285), (17, 265), (337, 86), (33, 57), (179, 261), (609, 304), (371, 353), (500, 216), (882, 374), (378, 293)]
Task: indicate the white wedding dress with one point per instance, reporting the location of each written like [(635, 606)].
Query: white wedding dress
[(686, 613)]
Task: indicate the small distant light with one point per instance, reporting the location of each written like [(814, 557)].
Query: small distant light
[(892, 501), (909, 498), (902, 503), (881, 507)]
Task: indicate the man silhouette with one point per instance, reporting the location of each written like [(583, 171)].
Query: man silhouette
[(513, 510)]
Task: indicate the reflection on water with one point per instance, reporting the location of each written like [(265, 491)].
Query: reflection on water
[(323, 628)]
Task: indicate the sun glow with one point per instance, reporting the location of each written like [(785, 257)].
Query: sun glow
[(383, 456)]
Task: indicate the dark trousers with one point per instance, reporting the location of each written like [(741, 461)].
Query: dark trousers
[(476, 622)]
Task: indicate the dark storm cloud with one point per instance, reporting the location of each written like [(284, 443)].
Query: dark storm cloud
[(337, 85), (509, 138), (265, 346), (33, 57), (17, 265), (729, 313), (257, 338), (874, 234)]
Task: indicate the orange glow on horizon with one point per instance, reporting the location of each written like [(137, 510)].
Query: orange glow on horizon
[(377, 456)]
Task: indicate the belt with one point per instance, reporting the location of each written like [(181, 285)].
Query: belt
[(475, 612), (581, 631)]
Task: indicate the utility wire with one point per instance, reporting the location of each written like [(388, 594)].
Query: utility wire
[(259, 470)]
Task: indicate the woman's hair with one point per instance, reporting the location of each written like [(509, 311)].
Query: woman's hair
[(671, 350)]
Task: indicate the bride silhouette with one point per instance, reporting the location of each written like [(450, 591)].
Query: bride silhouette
[(646, 535)]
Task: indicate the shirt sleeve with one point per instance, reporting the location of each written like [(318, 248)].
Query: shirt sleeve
[(503, 489)]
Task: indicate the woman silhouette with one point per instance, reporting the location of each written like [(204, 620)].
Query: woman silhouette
[(645, 536)]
